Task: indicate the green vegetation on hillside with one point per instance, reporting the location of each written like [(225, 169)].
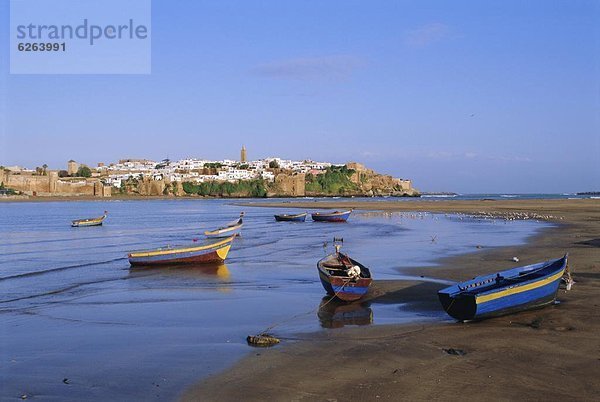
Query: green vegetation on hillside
[(242, 188), (130, 185), (83, 171), (335, 181)]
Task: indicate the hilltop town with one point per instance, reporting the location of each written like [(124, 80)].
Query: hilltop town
[(269, 177)]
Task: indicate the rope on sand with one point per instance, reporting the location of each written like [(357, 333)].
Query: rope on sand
[(567, 278)]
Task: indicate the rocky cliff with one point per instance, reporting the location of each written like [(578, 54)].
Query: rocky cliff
[(371, 183)]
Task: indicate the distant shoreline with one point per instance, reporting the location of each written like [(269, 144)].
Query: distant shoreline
[(169, 197), (343, 200)]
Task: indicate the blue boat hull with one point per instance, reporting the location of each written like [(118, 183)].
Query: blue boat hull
[(343, 290), (334, 217), (290, 218), (505, 292)]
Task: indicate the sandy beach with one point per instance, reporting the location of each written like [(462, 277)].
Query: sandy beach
[(547, 354)]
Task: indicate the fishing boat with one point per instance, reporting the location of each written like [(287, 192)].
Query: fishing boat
[(343, 277), (208, 253), (336, 216), (291, 217), (231, 229), (504, 292), (89, 222)]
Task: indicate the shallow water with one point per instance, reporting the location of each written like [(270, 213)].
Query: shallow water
[(72, 308)]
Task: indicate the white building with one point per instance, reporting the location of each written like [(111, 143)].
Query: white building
[(189, 169)]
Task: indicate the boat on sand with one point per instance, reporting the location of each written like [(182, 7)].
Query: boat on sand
[(342, 276), (505, 292)]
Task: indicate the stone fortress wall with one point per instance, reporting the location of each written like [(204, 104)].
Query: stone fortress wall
[(52, 185)]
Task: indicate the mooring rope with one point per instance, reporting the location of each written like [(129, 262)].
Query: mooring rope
[(264, 339), (312, 311)]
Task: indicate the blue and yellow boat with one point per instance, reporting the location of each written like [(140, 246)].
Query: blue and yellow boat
[(504, 292)]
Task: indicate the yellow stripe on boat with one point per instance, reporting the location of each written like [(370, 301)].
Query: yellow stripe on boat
[(222, 252), (83, 221), (518, 289), (182, 250)]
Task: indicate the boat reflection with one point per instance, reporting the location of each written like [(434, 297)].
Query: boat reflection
[(218, 270), (337, 314)]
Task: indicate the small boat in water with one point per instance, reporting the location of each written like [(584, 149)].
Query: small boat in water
[(343, 277), (89, 222), (231, 229), (291, 217), (504, 292), (208, 253), (335, 216)]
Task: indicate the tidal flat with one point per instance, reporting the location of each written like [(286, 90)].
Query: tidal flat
[(545, 354), (80, 324)]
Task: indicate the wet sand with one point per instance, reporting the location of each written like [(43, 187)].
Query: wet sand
[(547, 354)]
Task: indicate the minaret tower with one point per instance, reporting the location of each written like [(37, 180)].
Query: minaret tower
[(243, 156)]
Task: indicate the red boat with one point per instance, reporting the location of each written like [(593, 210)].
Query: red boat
[(343, 277)]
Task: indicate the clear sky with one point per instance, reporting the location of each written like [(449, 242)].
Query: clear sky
[(467, 96)]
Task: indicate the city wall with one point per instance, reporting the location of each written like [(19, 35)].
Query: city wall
[(52, 185)]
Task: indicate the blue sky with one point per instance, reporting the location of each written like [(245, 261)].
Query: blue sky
[(464, 96)]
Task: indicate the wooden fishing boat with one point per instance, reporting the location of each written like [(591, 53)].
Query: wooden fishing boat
[(343, 277), (336, 216), (90, 221), (231, 229), (291, 217), (209, 253), (504, 292)]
